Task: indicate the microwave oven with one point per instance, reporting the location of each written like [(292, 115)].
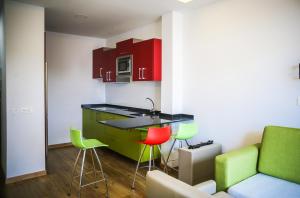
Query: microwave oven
[(124, 65), (123, 69)]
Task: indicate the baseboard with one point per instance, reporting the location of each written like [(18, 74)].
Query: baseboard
[(25, 177), (56, 146), (2, 175)]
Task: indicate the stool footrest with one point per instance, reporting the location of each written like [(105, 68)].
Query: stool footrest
[(148, 167), (175, 169), (88, 173), (91, 183), (139, 174)]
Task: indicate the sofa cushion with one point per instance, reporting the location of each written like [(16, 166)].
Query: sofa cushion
[(280, 153), (265, 186), (222, 194), (159, 184)]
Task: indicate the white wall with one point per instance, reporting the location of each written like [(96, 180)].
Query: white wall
[(70, 82), (3, 89), (172, 64), (25, 88), (134, 93), (152, 30), (240, 71)]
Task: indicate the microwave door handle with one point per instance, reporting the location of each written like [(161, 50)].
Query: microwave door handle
[(100, 72), (109, 75)]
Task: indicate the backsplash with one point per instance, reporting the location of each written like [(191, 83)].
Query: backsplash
[(133, 94)]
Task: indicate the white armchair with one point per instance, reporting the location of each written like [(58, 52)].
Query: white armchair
[(159, 184)]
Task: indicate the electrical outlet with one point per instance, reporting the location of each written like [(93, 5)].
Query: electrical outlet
[(26, 109), (14, 110)]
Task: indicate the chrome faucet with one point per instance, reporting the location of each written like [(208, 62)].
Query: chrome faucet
[(152, 110)]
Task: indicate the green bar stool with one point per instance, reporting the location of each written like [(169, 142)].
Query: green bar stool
[(185, 132), (86, 144)]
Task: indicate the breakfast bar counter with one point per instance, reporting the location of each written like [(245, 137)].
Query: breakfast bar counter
[(120, 126), (136, 117)]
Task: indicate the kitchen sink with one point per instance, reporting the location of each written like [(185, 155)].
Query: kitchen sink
[(139, 114), (109, 109)]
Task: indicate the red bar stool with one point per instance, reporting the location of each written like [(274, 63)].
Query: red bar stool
[(155, 137)]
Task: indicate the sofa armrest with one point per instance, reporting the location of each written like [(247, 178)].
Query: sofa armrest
[(208, 187), (159, 184), (235, 166)]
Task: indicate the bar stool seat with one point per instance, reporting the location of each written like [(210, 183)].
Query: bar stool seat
[(92, 143), (83, 145)]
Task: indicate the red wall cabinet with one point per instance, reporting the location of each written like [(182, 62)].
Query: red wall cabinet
[(125, 47), (104, 64), (98, 63), (147, 60), (109, 71)]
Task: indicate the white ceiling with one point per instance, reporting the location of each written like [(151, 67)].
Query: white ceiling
[(105, 18)]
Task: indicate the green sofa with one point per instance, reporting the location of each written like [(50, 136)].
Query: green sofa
[(269, 169)]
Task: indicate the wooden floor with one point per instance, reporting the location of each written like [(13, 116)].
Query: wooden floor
[(118, 169)]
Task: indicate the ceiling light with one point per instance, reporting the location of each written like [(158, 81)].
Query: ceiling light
[(184, 1)]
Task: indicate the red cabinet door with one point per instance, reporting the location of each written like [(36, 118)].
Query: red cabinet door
[(105, 70), (96, 73), (147, 60), (98, 63), (109, 71), (125, 47)]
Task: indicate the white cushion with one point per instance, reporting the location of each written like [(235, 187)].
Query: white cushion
[(161, 185), (222, 194), (208, 187), (264, 186)]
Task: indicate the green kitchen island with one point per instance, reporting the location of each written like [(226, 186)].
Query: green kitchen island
[(123, 127)]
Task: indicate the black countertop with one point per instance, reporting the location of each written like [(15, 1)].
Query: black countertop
[(136, 121)]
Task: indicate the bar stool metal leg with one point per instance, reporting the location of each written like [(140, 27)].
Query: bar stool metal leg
[(94, 168), (100, 165), (73, 171), (81, 172), (150, 158), (166, 165), (137, 166), (153, 160), (187, 143), (162, 158)]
